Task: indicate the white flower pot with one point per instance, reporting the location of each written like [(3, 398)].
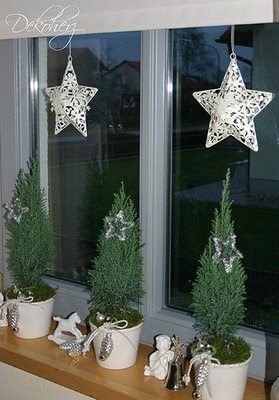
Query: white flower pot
[(226, 381), (34, 319), (125, 347)]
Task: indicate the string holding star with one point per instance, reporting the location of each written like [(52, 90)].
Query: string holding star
[(233, 108), (70, 101)]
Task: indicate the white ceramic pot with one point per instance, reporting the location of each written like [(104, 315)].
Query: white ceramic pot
[(34, 319), (125, 347), (226, 381)]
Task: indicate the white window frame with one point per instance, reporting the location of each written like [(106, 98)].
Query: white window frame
[(15, 130)]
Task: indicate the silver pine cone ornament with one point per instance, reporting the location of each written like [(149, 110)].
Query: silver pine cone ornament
[(13, 317), (106, 346)]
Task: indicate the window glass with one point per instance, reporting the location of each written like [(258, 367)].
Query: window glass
[(83, 173), (200, 59)]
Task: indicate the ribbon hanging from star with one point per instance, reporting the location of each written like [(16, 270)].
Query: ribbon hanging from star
[(233, 108), (70, 101)]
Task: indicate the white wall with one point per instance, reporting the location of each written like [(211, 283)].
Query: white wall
[(124, 15)]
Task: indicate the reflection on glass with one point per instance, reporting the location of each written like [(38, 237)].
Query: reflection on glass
[(201, 57), (85, 172)]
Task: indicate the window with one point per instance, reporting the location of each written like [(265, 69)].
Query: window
[(83, 173), (162, 103), (200, 59)]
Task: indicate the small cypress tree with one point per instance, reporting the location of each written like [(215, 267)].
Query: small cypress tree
[(218, 296), (31, 246), (117, 274)]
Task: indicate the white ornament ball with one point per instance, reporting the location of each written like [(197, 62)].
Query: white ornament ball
[(100, 317), (275, 390)]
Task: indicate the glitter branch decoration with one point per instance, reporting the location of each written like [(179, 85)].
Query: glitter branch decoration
[(232, 108), (14, 210), (226, 252), (219, 293), (177, 347), (117, 226)]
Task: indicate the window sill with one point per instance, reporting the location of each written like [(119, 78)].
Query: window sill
[(42, 358)]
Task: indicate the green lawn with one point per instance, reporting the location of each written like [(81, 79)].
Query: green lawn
[(201, 166)]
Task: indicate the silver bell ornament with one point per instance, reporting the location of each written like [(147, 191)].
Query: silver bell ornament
[(175, 374), (174, 380)]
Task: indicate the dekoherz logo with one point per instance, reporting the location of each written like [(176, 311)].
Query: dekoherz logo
[(54, 21)]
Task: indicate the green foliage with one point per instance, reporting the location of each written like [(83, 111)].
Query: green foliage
[(102, 180), (31, 247), (131, 315), (233, 350), (218, 297), (96, 202), (117, 273), (41, 292)]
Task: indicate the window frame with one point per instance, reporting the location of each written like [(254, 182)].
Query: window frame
[(154, 161)]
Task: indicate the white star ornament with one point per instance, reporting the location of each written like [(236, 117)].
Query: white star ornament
[(232, 108), (70, 101)]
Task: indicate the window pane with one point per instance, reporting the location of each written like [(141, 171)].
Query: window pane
[(200, 59), (83, 173)]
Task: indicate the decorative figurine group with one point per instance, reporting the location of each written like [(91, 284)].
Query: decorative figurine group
[(69, 337), (159, 360), (167, 362)]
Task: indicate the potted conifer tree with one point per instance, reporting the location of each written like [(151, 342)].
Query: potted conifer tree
[(116, 286), (218, 304), (31, 255)]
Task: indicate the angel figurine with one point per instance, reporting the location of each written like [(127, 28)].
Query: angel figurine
[(159, 360)]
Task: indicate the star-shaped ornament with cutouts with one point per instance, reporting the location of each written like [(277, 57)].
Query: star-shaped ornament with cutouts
[(233, 108), (70, 101)]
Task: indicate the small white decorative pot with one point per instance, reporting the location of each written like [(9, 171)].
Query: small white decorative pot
[(226, 381), (275, 390), (34, 319), (125, 347)]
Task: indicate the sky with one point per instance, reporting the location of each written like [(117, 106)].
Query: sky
[(113, 48)]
